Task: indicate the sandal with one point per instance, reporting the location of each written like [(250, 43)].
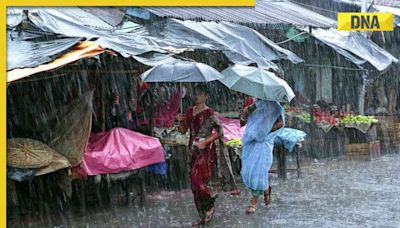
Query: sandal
[(207, 218), (267, 196), (251, 209), (198, 223), (234, 192)]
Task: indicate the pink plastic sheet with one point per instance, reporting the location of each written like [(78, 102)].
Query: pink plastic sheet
[(120, 150), (231, 127)]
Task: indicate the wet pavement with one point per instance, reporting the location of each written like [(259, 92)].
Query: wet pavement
[(330, 193)]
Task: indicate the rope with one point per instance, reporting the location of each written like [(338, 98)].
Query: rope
[(39, 79), (335, 67)]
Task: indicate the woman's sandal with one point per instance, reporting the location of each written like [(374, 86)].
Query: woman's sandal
[(267, 196), (251, 209), (234, 192), (207, 219), (198, 223), (209, 216)]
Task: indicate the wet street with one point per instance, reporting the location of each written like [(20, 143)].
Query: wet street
[(334, 193)]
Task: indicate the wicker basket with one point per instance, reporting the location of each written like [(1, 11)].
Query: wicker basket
[(28, 153)]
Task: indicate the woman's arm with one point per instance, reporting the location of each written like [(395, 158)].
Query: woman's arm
[(246, 112), (182, 123), (203, 144)]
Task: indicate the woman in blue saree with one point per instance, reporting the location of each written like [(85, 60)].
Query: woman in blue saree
[(264, 122)]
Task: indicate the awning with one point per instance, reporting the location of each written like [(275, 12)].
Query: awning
[(84, 49), (239, 43), (23, 54), (355, 47)]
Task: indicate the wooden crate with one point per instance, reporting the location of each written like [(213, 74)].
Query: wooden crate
[(363, 151), (389, 133), (355, 136)]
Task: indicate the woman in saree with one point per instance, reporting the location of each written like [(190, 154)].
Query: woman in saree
[(264, 122), (205, 140)]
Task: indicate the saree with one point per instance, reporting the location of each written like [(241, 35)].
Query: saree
[(258, 144), (203, 161)]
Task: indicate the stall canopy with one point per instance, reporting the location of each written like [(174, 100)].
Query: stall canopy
[(162, 36), (359, 51), (84, 49), (159, 41), (23, 54), (355, 47), (152, 46)]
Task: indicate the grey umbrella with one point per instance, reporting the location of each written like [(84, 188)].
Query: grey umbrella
[(257, 83), (182, 71)]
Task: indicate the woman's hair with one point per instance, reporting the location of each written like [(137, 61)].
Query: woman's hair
[(202, 88)]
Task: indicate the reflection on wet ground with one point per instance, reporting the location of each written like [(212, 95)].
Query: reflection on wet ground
[(331, 193)]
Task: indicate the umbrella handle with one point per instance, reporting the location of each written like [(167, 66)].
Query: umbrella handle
[(180, 96)]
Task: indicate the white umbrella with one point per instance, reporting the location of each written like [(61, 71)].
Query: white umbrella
[(183, 71), (257, 83)]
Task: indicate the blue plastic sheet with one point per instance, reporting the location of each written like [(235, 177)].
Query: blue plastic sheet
[(20, 174), (289, 137), (159, 168)]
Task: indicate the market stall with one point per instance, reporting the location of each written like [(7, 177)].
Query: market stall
[(337, 132)]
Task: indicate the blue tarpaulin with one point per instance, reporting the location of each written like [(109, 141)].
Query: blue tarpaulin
[(289, 137)]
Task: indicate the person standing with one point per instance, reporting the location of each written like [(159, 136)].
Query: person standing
[(205, 131), (264, 122)]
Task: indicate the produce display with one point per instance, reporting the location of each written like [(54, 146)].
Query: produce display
[(358, 119), (234, 142), (324, 117), (331, 118), (306, 117)]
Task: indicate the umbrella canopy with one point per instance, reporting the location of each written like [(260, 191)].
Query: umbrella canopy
[(257, 83), (181, 72)]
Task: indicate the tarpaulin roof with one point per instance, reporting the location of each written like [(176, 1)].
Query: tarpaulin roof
[(111, 15), (355, 47), (15, 16), (22, 54), (84, 49), (238, 39), (264, 12), (238, 42), (156, 43)]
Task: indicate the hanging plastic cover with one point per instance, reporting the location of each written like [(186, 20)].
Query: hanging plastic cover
[(23, 54), (238, 42), (170, 36), (355, 47)]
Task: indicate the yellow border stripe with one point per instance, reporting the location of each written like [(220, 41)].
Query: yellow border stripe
[(132, 3), (3, 171)]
